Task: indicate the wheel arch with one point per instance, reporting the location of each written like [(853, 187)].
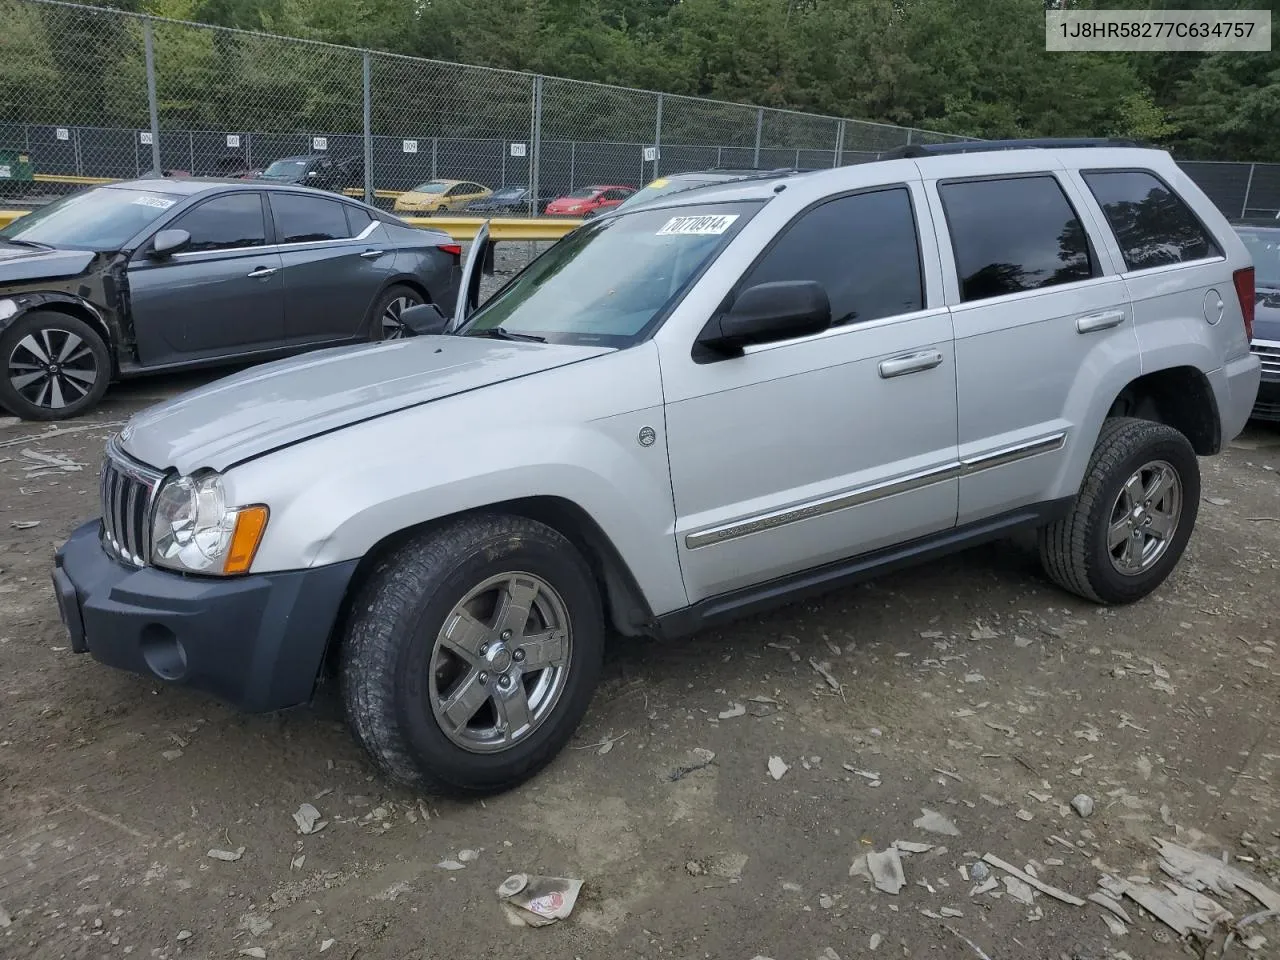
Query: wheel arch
[(64, 303), (1180, 397)]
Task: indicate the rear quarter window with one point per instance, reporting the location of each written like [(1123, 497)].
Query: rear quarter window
[(1153, 226)]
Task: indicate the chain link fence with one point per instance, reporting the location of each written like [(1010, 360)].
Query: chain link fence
[(89, 94)]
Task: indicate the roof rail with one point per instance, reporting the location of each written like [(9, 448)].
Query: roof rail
[(982, 146)]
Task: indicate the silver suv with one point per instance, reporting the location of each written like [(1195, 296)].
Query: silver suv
[(683, 413)]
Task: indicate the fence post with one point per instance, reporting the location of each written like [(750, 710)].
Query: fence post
[(719, 156), (573, 163), (366, 70), (657, 138), (759, 127), (149, 48), (535, 147), (191, 151), (839, 144), (435, 156), (910, 130), (1244, 207)]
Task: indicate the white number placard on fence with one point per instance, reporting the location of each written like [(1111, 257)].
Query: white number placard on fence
[(409, 146), (519, 149), (319, 143)]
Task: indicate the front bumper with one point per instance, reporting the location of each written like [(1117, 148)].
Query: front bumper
[(256, 642)]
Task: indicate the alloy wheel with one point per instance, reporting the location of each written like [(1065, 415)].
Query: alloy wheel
[(52, 368), (1144, 518), (500, 662), (392, 327)]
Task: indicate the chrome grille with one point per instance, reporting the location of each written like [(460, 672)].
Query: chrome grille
[(1269, 353), (126, 489)]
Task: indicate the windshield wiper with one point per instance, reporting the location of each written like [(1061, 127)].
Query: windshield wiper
[(497, 333), (26, 243)]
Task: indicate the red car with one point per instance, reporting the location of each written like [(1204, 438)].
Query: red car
[(586, 202)]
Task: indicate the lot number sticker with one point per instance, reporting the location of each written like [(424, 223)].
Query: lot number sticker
[(319, 143), (697, 226), (160, 203), (410, 146), (233, 140), (517, 149)]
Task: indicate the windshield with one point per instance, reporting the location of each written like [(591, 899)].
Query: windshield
[(606, 282), (285, 168), (662, 187), (1264, 247), (103, 218), (508, 193), (431, 188), (583, 193)]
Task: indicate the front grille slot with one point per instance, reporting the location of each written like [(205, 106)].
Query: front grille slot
[(1269, 354), (126, 489)]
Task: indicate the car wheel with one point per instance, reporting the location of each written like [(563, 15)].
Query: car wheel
[(384, 324), (1132, 518), (441, 209), (54, 366), (472, 653)]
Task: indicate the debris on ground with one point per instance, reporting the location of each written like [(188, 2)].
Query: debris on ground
[(326, 944), (5, 919), (451, 865), (735, 710), (537, 901), (1082, 804), (824, 671), (699, 757), (1107, 903), (934, 822), (1018, 890), (25, 524), (910, 846), (1032, 881), (230, 856), (256, 952), (184, 935), (777, 768), (1183, 911), (1198, 871), (467, 856), (307, 817), (976, 949), (255, 924), (726, 866)]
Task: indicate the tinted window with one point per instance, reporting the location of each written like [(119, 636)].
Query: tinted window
[(357, 219), (225, 223), (862, 248), (299, 219), (1151, 223), (1013, 235)]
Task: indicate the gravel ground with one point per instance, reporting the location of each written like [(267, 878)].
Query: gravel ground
[(968, 687)]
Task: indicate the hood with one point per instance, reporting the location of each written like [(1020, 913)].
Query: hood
[(20, 264), (1266, 315), (273, 405)]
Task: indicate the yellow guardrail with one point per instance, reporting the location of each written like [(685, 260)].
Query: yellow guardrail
[(459, 228), (60, 178)]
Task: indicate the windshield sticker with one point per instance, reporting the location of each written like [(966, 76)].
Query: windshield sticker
[(697, 226), (160, 203)]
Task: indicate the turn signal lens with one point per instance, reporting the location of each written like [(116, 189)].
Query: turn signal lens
[(251, 523)]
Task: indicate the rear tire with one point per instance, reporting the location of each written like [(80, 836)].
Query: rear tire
[(52, 366), (447, 688), (1132, 518), (384, 319)]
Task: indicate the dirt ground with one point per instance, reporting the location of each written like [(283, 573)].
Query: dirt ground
[(969, 687)]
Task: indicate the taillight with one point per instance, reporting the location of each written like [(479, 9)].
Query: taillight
[(1243, 280), (455, 250)]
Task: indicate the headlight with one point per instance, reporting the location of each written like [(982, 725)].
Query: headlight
[(194, 531)]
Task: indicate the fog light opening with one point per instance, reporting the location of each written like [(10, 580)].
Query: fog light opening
[(163, 652)]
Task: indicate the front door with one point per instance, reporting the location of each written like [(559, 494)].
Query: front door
[(334, 265), (222, 294), (1042, 324), (823, 447)]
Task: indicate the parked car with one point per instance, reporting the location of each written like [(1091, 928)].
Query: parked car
[(317, 170), (726, 399), (677, 182), (588, 202), (440, 196), (507, 200), (1262, 238), (155, 275)]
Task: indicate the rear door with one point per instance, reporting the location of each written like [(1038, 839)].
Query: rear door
[(222, 294), (1042, 323), (335, 265), (612, 198)]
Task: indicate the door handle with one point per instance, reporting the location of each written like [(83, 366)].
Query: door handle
[(372, 254), (1099, 321), (259, 272), (910, 363)]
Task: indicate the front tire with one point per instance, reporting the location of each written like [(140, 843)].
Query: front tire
[(52, 366), (1132, 518), (472, 654)]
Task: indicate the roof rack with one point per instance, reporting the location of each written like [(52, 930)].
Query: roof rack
[(983, 146)]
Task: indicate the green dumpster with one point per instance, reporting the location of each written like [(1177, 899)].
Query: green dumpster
[(15, 165)]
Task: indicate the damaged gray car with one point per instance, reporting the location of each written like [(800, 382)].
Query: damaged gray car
[(159, 275)]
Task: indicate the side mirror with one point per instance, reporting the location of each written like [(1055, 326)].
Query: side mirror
[(423, 319), (768, 312), (313, 173), (169, 242)]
